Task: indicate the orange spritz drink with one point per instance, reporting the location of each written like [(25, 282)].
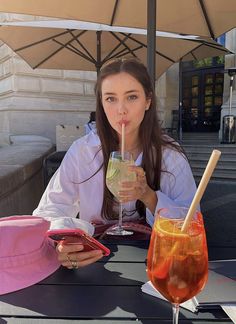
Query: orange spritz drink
[(177, 260)]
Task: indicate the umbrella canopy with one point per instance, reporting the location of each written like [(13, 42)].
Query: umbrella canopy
[(209, 18), (77, 45)]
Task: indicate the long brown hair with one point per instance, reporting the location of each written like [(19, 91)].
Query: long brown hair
[(150, 135)]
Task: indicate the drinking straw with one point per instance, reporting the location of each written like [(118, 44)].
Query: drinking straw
[(123, 141), (215, 155)]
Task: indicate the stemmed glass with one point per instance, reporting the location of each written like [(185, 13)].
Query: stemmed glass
[(117, 171), (177, 260)]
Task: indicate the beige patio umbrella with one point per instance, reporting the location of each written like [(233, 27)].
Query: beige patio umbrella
[(209, 18), (77, 45)]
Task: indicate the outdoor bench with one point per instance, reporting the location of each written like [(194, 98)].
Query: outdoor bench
[(21, 173)]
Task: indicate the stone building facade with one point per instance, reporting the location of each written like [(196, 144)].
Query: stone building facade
[(35, 101)]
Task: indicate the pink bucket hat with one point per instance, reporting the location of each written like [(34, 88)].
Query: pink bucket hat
[(26, 255)]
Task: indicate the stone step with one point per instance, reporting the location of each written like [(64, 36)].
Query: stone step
[(217, 175), (201, 135), (202, 157), (218, 169), (201, 138), (224, 166), (203, 141), (198, 148)]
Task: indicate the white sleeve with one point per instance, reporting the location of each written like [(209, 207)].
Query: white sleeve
[(61, 197), (177, 185)]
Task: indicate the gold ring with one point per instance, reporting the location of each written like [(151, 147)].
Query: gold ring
[(74, 264)]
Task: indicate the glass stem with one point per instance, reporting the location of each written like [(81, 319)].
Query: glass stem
[(175, 308), (120, 215)]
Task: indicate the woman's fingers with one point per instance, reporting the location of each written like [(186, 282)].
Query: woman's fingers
[(140, 173), (84, 261), (82, 256), (69, 248), (133, 190), (73, 257)]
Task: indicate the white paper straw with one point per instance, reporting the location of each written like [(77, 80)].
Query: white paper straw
[(215, 155), (123, 141)]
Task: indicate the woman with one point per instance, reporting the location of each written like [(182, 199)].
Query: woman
[(124, 95)]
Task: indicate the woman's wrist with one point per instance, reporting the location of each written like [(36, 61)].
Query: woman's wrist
[(149, 199)]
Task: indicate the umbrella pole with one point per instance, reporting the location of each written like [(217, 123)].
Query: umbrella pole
[(151, 38), (180, 102), (231, 93), (98, 63)]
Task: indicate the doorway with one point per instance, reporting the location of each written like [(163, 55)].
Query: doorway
[(202, 91)]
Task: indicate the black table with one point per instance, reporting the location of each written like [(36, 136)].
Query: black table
[(107, 292)]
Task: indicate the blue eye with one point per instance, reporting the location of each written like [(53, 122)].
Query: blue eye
[(132, 97), (110, 99)]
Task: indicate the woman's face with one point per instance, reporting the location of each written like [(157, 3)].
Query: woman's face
[(124, 102)]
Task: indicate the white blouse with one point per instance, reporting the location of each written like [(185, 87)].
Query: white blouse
[(68, 194)]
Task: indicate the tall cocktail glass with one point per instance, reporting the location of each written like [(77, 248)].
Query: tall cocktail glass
[(177, 261), (118, 171)]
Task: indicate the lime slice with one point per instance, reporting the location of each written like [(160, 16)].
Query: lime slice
[(111, 172)]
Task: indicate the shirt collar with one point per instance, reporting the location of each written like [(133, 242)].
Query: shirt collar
[(93, 140)]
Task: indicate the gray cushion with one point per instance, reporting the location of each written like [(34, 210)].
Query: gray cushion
[(5, 139)]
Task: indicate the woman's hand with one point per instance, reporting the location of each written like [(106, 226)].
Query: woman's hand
[(135, 189), (73, 257), (138, 190)]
